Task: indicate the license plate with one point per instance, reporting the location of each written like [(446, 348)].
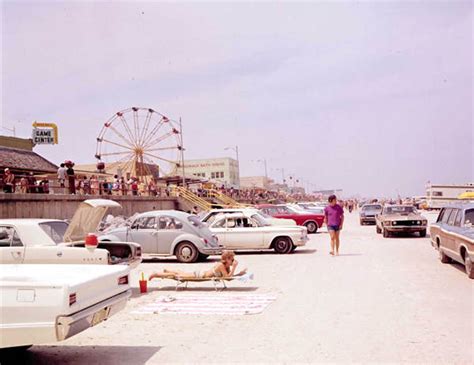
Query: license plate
[(100, 316)]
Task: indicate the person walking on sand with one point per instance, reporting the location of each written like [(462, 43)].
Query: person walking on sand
[(334, 219)]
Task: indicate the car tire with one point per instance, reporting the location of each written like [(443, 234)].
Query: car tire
[(203, 257), (293, 248), (469, 266), (386, 233), (282, 245), (312, 227), (423, 233), (186, 252), (443, 257), (377, 229)]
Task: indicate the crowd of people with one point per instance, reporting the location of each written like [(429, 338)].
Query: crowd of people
[(250, 195), (23, 183)]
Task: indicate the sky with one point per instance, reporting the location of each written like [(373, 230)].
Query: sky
[(374, 98)]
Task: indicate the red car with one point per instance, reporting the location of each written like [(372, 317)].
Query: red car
[(311, 221)]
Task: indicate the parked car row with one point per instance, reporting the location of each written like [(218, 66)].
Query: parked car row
[(52, 253), (312, 221), (452, 234), (54, 283)]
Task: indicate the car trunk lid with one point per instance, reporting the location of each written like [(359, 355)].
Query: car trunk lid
[(87, 217)]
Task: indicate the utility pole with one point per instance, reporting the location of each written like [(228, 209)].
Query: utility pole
[(182, 152), (13, 130), (236, 149)]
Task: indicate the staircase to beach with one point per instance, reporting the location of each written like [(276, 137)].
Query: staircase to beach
[(224, 199), (191, 200)]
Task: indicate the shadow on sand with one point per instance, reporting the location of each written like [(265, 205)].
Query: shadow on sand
[(66, 355), (298, 251)]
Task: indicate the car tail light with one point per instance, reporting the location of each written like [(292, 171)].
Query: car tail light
[(123, 280), (72, 299), (206, 242), (91, 242), (139, 251)]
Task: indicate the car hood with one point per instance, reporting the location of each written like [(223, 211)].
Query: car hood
[(87, 217), (404, 217)]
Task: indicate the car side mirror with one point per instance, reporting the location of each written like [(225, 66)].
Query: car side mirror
[(134, 226)]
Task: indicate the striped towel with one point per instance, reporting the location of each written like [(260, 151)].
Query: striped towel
[(210, 304)]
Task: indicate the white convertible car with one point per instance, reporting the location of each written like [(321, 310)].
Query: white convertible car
[(53, 241), (244, 231), (49, 303)]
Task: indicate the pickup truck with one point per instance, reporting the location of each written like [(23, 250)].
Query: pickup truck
[(54, 241), (50, 303)]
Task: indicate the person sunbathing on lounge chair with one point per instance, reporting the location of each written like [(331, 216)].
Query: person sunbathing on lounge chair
[(225, 269)]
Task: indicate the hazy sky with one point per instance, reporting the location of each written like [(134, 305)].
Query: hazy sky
[(372, 97)]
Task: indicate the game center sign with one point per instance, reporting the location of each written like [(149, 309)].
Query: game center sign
[(45, 133)]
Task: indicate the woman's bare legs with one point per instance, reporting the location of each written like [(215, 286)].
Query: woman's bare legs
[(332, 234), (336, 236), (170, 273)]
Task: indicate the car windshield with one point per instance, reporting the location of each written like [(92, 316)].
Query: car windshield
[(265, 215), (399, 209), (260, 220), (195, 221), (55, 230), (285, 209), (372, 207), (469, 217)]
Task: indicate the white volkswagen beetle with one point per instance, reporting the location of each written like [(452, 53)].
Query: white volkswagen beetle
[(54, 241), (244, 231)]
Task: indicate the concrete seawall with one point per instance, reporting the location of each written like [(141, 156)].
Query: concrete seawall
[(64, 206)]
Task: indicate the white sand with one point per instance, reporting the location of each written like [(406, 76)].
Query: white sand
[(382, 300)]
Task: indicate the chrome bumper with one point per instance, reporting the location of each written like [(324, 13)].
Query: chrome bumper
[(68, 326), (404, 228), (301, 242), (211, 251)]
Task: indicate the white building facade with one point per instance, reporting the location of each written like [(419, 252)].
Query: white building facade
[(252, 182), (222, 171)]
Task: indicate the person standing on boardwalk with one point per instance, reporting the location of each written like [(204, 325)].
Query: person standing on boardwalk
[(71, 177), (334, 218)]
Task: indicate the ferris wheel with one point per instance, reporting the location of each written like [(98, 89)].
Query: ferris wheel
[(140, 142)]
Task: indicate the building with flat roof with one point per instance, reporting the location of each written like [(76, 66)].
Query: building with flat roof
[(223, 170), (259, 182)]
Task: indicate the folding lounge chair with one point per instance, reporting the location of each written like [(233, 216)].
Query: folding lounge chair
[(183, 282)]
